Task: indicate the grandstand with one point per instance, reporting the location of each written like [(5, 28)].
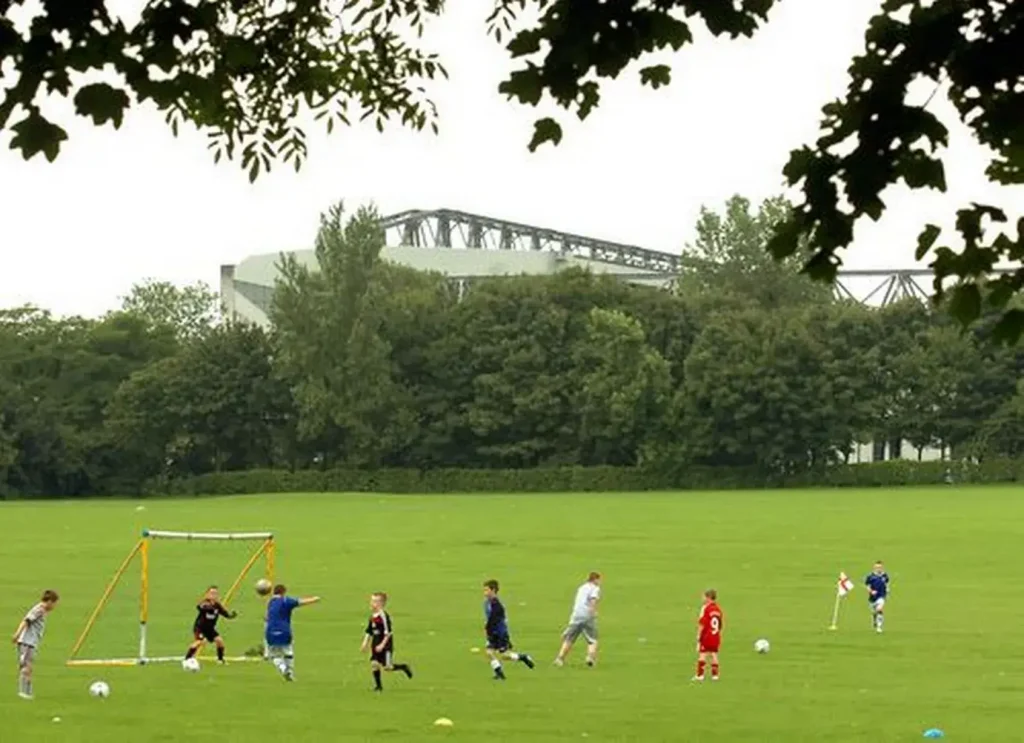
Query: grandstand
[(466, 247)]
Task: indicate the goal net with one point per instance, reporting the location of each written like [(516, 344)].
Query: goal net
[(146, 612)]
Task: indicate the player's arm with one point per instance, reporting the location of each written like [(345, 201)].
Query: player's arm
[(307, 600), (387, 635), (367, 637), (22, 626), (223, 611)]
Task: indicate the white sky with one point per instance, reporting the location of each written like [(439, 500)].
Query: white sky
[(118, 207)]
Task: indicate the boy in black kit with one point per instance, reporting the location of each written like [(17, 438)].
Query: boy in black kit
[(210, 609), (379, 640)]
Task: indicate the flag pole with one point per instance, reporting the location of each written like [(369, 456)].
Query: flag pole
[(835, 612)]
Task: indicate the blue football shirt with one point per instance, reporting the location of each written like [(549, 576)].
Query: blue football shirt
[(279, 620)]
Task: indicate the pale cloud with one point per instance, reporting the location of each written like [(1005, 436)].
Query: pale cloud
[(120, 206)]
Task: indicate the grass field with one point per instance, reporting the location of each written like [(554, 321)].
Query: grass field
[(951, 656)]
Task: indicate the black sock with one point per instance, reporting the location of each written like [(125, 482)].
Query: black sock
[(220, 652), (404, 668), (376, 679), (191, 652)]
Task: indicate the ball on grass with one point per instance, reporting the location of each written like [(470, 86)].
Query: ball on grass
[(99, 689), (190, 664), (762, 646)]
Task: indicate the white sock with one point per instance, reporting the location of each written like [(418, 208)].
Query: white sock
[(495, 664), (513, 656)]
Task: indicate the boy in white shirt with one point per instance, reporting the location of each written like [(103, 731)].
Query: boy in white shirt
[(583, 620)]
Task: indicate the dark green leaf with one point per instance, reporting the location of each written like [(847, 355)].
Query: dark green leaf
[(926, 240), (545, 130), (35, 134)]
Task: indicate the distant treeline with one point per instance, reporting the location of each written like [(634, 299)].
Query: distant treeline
[(370, 366)]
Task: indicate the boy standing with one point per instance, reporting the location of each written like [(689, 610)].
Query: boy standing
[(380, 641), (278, 633), (499, 643), (878, 589), (209, 610), (709, 635), (583, 620), (27, 638)]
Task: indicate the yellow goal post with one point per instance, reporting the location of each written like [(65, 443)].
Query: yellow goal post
[(141, 553)]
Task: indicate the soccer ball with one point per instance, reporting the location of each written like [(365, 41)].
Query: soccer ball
[(263, 587), (99, 689), (762, 646), (190, 664)]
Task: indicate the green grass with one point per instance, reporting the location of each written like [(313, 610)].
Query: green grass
[(950, 657)]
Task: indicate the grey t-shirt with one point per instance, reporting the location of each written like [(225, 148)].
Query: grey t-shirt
[(35, 626)]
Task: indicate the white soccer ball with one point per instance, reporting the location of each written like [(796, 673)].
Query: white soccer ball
[(99, 689), (190, 664), (762, 646), (263, 587)]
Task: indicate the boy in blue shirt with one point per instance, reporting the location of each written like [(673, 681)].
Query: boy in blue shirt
[(278, 635), (499, 643), (878, 589)]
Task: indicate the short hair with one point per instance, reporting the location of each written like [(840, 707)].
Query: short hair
[(381, 595), (712, 594), (50, 596), (280, 590), (594, 575), (212, 588), (492, 584)]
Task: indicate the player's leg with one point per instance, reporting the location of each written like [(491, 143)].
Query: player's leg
[(506, 650), (701, 665), (879, 610), (377, 662), (494, 651), (402, 667), (25, 658), (590, 635), (568, 640), (193, 648), (714, 666), (219, 642)]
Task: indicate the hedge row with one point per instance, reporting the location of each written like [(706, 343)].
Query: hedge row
[(585, 479)]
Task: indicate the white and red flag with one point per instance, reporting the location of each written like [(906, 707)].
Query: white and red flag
[(844, 585)]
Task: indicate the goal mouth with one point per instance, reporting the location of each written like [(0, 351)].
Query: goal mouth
[(141, 554)]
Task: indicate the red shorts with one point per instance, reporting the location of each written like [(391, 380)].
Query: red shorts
[(710, 644)]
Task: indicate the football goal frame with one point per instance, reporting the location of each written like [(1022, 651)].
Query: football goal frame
[(265, 551)]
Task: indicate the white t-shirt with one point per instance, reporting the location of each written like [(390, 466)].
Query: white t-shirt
[(581, 608)]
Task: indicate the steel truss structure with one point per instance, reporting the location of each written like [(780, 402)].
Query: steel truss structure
[(449, 228)]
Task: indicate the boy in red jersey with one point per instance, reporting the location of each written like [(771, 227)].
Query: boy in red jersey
[(709, 635)]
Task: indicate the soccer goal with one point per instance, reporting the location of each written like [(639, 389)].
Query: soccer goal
[(171, 578)]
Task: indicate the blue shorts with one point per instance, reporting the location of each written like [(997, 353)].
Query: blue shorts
[(278, 639), (499, 642)]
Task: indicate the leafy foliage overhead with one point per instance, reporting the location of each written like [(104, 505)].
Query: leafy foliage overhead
[(243, 71), (875, 137)]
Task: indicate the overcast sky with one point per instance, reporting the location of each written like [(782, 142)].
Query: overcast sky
[(119, 207)]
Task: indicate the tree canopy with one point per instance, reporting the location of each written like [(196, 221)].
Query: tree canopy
[(250, 73), (370, 365)]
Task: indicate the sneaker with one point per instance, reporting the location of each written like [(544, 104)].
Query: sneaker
[(23, 695), (408, 672), (697, 678), (558, 662), (527, 661), (591, 662), (714, 678)]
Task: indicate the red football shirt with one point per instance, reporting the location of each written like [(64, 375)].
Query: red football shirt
[(710, 622)]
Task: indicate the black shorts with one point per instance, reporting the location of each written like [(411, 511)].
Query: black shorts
[(385, 657), (203, 632), (501, 643)]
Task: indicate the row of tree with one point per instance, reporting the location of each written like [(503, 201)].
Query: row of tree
[(368, 364)]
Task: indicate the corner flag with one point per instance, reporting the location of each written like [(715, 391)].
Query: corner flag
[(843, 587)]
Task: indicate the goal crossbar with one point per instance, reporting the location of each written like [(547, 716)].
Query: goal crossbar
[(265, 550), (244, 536)]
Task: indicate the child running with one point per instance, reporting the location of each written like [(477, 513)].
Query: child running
[(278, 635), (499, 643), (380, 641)]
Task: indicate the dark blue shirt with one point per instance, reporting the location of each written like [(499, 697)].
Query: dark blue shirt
[(879, 584), (279, 620), (495, 613)]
